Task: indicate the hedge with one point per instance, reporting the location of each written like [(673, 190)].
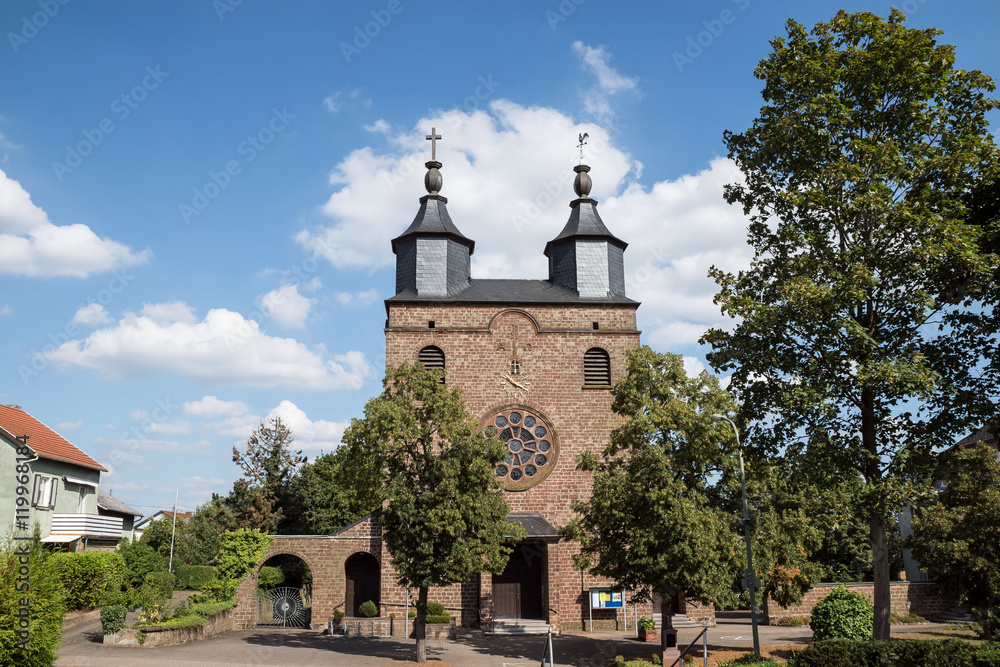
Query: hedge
[(162, 584), (86, 577), (896, 653), (193, 577), (45, 610)]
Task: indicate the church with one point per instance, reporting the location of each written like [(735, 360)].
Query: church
[(535, 361)]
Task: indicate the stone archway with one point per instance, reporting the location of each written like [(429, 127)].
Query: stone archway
[(362, 575)]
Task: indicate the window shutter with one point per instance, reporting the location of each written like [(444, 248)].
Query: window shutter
[(36, 493), (596, 367), (53, 483), (432, 357)]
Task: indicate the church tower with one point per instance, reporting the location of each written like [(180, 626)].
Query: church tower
[(585, 257)]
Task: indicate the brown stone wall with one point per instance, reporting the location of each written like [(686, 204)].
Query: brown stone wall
[(214, 625), (551, 341), (906, 597)]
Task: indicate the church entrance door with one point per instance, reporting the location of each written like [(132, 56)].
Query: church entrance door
[(362, 572), (518, 591)]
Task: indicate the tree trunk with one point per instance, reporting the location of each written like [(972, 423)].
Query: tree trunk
[(876, 524), (420, 625), (985, 622)]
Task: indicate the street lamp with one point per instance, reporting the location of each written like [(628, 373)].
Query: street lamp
[(750, 581)]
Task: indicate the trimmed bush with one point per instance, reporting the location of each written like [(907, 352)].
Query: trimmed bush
[(750, 660), (896, 653), (218, 590), (113, 618), (269, 577), (438, 618), (87, 577), (435, 609), (140, 559), (843, 614), (367, 609), (193, 577), (162, 584), (793, 621)]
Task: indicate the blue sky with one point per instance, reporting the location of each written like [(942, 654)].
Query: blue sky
[(196, 199)]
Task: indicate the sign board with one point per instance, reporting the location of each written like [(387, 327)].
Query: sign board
[(605, 598)]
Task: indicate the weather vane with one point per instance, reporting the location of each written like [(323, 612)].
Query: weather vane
[(433, 137), (583, 142)]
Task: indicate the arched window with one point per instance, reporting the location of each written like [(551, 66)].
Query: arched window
[(597, 368), (432, 356)]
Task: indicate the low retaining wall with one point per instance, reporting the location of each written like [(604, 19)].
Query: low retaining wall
[(214, 625), (906, 597), (382, 627)]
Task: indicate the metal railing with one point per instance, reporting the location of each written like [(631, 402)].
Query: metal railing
[(548, 653), (703, 635)]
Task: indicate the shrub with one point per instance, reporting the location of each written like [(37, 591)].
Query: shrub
[(750, 660), (368, 609), (843, 614), (162, 584), (906, 618), (896, 653), (412, 613), (435, 608), (218, 590), (140, 559), (338, 614), (646, 623), (46, 608), (113, 618), (239, 552), (193, 577), (269, 577), (87, 577), (438, 618)]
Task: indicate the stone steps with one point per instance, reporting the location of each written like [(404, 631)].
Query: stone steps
[(678, 621), (519, 626)]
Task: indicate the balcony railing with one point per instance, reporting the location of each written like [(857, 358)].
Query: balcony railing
[(90, 525)]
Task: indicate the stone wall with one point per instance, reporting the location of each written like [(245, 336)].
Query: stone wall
[(906, 597), (214, 625)]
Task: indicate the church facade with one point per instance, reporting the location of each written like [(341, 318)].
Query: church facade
[(535, 361)]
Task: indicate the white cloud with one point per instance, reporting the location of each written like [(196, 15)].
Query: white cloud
[(365, 298), (378, 126), (693, 366), (287, 307), (93, 314), (332, 102), (30, 245), (335, 102), (182, 427), (596, 100), (309, 435), (223, 348), (69, 426), (210, 406), (139, 415), (6, 310)]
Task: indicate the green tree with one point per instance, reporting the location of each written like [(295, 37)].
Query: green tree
[(37, 644), (956, 538), (269, 465), (650, 524), (855, 173), (195, 539), (445, 515), (338, 488)]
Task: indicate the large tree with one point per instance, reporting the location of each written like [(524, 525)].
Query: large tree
[(444, 515), (855, 178), (956, 537), (261, 498), (335, 489), (650, 523)]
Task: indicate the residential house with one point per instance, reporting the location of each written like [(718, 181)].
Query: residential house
[(143, 524), (108, 505), (59, 481)]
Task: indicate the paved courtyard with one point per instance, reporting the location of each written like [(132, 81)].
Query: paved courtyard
[(303, 648)]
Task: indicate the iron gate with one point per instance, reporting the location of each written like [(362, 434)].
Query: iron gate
[(284, 607)]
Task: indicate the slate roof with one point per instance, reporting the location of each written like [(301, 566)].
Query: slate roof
[(985, 434), (42, 440), (432, 219), (584, 223), (498, 290), (534, 525), (109, 503)]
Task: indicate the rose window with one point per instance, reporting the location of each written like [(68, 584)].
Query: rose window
[(531, 447)]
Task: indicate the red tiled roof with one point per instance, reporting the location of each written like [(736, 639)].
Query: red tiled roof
[(42, 440)]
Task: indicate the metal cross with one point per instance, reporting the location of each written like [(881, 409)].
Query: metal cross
[(432, 137)]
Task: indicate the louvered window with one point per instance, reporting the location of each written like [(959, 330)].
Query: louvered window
[(596, 367), (432, 357)]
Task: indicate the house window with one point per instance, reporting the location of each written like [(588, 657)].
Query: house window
[(44, 494), (432, 356), (597, 368)]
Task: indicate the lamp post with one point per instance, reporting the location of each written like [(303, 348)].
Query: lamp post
[(750, 580)]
